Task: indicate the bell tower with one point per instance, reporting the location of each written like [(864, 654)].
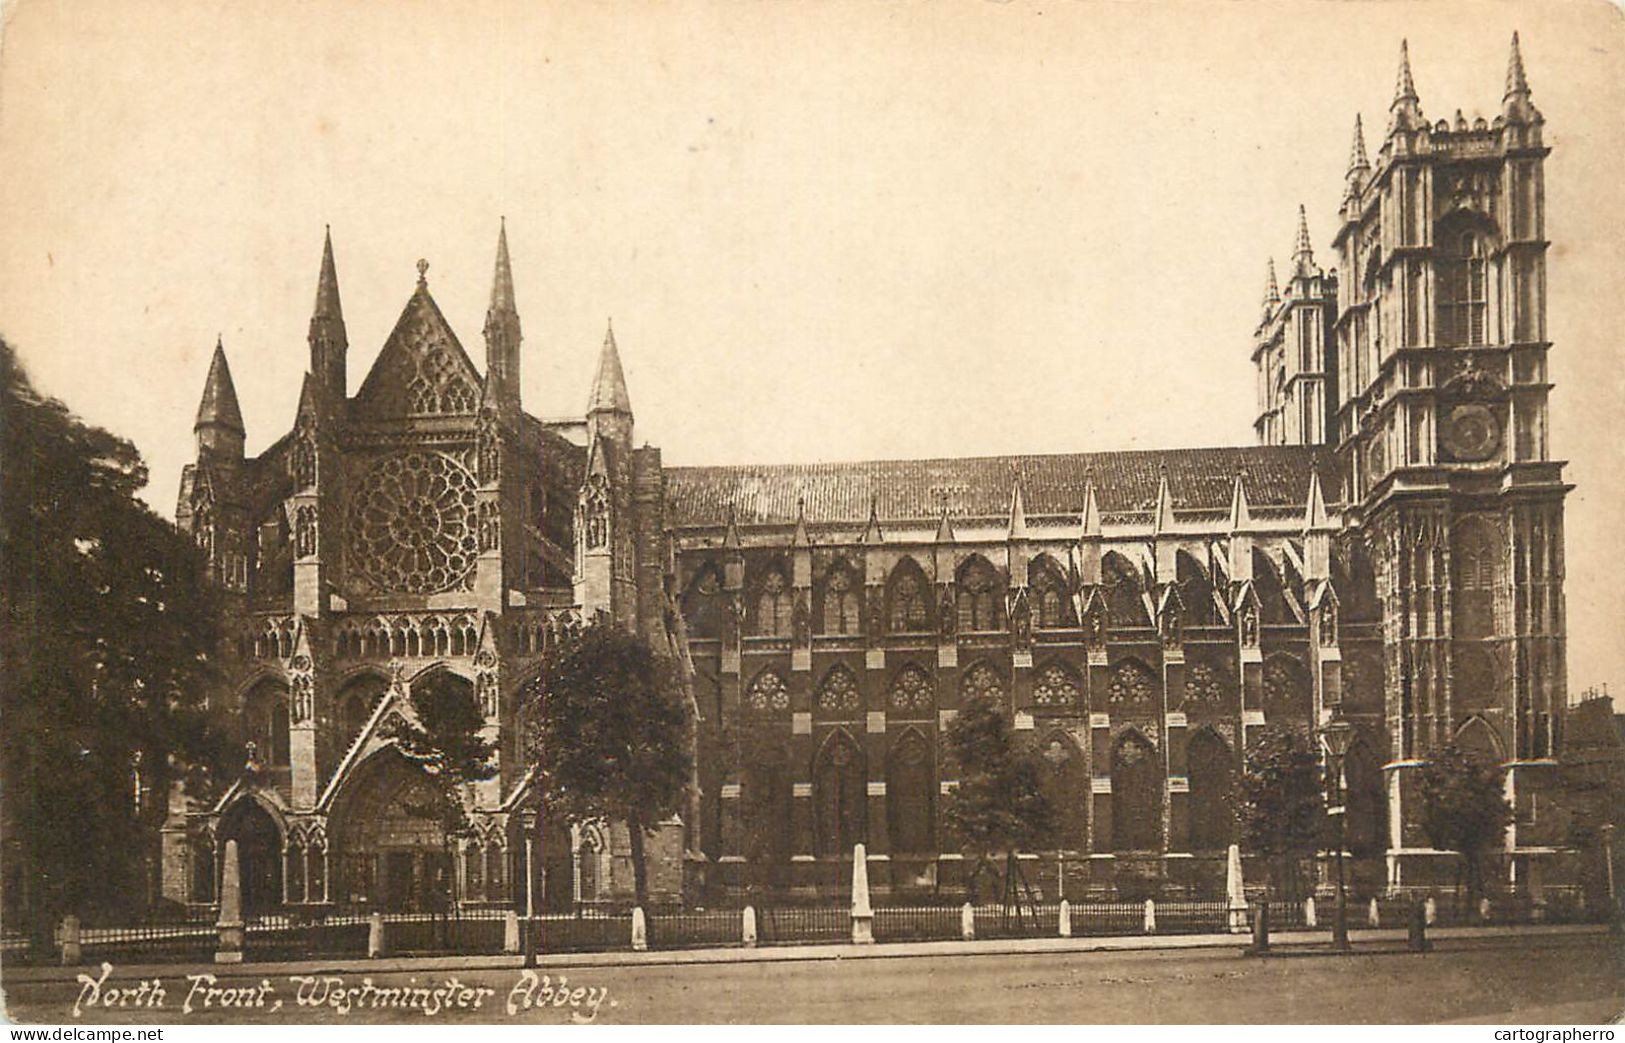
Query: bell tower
[(1441, 435)]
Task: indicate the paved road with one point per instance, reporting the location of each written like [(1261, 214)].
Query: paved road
[(1548, 980)]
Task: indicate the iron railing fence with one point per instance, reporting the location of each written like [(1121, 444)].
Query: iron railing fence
[(346, 932), (677, 927), (800, 924)]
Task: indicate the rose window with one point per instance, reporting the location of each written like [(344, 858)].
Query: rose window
[(412, 524)]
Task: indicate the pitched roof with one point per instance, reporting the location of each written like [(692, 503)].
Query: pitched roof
[(1125, 482)]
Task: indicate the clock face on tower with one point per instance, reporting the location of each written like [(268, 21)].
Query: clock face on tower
[(1472, 433), (412, 525)]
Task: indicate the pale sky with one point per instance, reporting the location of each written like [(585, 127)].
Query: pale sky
[(824, 230)]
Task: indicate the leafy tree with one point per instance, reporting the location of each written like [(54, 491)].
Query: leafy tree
[(446, 741), (610, 739), (1464, 809), (1280, 804), (108, 633), (999, 807)]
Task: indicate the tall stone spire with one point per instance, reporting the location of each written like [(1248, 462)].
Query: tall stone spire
[(219, 426), (609, 408), (502, 334), (329, 344), (1517, 82), (1516, 105), (1357, 161), (609, 385), (1272, 292), (1406, 109), (1303, 254)]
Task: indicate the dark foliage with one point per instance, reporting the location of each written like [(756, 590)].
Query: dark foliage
[(610, 734), (1280, 804), (1464, 809), (108, 633), (999, 807)]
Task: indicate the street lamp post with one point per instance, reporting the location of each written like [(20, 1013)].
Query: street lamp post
[(528, 826), (1336, 737)]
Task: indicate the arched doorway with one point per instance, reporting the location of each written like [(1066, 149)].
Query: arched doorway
[(392, 848), (259, 855)]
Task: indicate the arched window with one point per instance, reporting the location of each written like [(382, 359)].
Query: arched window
[(767, 693), (1052, 601), (703, 605), (982, 682), (774, 606), (1133, 687), (841, 601), (1286, 694), (840, 788), (981, 596), (908, 598), (1478, 740), (1463, 288), (1477, 564), (910, 783), (838, 693), (1057, 686), (911, 692), (1066, 784), (1366, 825), (1195, 592), (1212, 768), (266, 719), (587, 865), (357, 700), (1136, 794), (474, 869), (1123, 601), (203, 866)]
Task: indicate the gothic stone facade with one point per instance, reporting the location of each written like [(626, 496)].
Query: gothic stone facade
[(1389, 554)]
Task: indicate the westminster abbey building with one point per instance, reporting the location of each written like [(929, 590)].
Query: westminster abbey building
[(1389, 553)]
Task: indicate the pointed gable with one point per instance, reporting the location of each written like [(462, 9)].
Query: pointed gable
[(422, 370)]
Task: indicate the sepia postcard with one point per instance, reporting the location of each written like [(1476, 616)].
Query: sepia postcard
[(1051, 511)]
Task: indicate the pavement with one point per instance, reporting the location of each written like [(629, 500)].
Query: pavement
[(1546, 975), (1288, 941)]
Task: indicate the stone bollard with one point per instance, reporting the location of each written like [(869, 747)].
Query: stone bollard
[(1418, 934), (747, 927), (1235, 890), (67, 936), (1150, 916), (376, 946), (1430, 910), (863, 915), (640, 930), (230, 923), (510, 932), (967, 922), (1373, 915), (1066, 919), (1309, 912), (1261, 930)]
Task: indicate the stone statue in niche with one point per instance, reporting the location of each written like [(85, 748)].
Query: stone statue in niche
[(801, 620)]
